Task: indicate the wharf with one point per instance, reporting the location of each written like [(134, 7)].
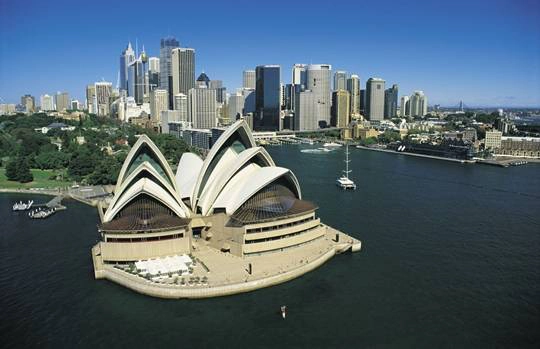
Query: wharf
[(417, 155)]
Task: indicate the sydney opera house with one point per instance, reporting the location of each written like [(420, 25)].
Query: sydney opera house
[(230, 223)]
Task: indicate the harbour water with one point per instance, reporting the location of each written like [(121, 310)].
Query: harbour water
[(450, 258)]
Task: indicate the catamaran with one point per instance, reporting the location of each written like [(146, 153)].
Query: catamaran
[(344, 181)]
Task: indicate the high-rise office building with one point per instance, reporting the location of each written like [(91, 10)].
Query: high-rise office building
[(202, 107), (391, 101), (181, 105), (318, 80), (404, 107), (299, 74), (340, 108), (267, 97), (91, 99), (203, 81), (183, 70), (153, 64), (236, 106), (291, 91), (62, 101), (249, 100), (363, 101), (29, 103), (248, 79), (340, 80), (159, 101), (418, 104), (153, 73), (353, 86), (75, 105), (304, 111), (221, 92), (375, 99), (215, 84), (165, 65), (103, 91), (47, 103), (137, 78), (126, 58)]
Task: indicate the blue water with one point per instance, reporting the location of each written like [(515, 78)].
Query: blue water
[(451, 258)]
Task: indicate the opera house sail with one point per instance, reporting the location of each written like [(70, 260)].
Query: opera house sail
[(230, 223)]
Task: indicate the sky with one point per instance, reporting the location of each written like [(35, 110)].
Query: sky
[(486, 53)]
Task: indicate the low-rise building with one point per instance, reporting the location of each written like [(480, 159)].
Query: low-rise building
[(364, 133), (493, 139), (519, 146)]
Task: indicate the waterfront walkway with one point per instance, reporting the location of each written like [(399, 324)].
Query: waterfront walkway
[(226, 274), (417, 155)]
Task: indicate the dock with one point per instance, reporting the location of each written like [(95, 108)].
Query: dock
[(55, 203)]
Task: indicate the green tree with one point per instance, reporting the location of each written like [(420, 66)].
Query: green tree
[(82, 163), (17, 169), (106, 171)]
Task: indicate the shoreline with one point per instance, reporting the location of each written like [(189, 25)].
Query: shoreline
[(51, 192), (417, 155)]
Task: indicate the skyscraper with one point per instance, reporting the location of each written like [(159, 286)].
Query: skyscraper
[(202, 107), (340, 80), (181, 105), (267, 97), (404, 108), (47, 103), (136, 80), (318, 78), (62, 101), (248, 79), (91, 99), (249, 100), (353, 86), (304, 111), (340, 108), (165, 65), (363, 101), (29, 103), (183, 70), (126, 58), (75, 104), (418, 104), (391, 101), (103, 91), (299, 74), (375, 99), (159, 101), (153, 73), (236, 106)]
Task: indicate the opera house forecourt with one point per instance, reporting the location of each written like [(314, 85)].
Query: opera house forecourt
[(233, 222)]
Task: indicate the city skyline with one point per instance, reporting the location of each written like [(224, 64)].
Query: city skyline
[(485, 56)]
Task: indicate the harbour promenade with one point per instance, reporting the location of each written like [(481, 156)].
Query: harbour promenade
[(417, 155), (227, 274)]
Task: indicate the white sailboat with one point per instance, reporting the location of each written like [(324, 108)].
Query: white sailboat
[(344, 181)]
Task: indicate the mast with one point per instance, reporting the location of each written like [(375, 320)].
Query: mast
[(347, 161)]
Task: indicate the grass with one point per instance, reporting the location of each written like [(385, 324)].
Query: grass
[(41, 180)]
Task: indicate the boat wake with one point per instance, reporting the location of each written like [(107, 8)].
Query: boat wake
[(316, 151)]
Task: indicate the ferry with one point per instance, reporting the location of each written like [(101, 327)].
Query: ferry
[(21, 206), (41, 214), (344, 181)]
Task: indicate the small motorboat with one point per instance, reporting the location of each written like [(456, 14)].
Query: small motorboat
[(283, 311)]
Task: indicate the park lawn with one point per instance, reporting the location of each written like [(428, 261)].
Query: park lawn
[(41, 180)]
